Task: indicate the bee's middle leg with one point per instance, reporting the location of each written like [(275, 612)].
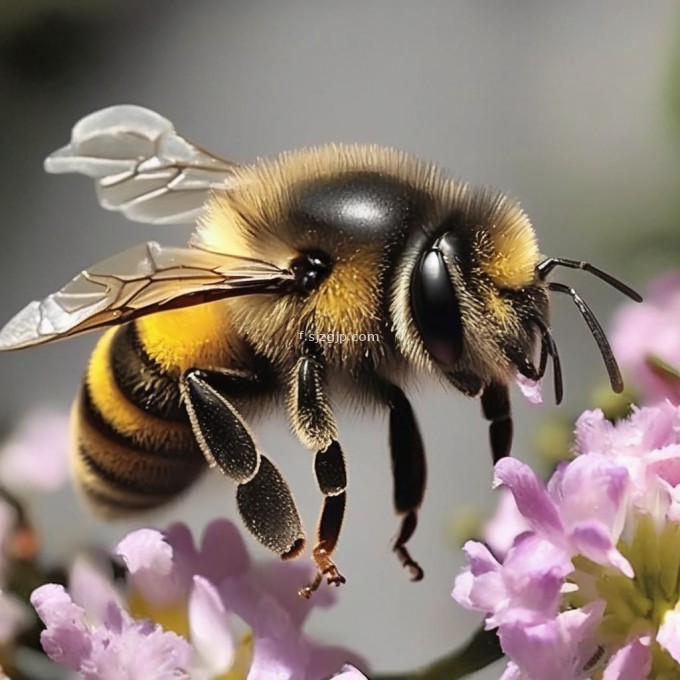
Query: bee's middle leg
[(315, 426), (264, 499)]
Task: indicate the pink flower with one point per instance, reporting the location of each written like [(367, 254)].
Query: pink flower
[(648, 332), (561, 647), (500, 589), (207, 586), (583, 509), (647, 445), (109, 644), (593, 585)]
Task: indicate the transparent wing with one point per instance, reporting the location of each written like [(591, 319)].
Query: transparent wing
[(144, 279), (141, 166)]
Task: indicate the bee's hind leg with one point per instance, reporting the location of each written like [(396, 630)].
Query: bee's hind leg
[(264, 499), (314, 424)]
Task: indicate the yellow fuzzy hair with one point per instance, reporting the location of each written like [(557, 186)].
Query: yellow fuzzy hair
[(509, 250)]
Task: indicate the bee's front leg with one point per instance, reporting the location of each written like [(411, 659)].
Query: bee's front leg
[(314, 424)]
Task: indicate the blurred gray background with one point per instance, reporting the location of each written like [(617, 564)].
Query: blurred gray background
[(563, 105)]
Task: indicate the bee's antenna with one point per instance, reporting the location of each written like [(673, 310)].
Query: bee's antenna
[(600, 338), (545, 267), (548, 347)]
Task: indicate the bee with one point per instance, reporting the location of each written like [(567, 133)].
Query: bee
[(419, 273)]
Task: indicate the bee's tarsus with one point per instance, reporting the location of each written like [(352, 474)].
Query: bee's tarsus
[(415, 571), (325, 569), (307, 591)]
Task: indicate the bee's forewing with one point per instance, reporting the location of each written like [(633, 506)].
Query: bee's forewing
[(145, 279)]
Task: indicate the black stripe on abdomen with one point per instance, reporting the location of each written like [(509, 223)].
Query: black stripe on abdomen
[(143, 381), (172, 443), (118, 476)]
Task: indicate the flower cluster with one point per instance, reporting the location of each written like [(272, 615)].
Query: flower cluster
[(593, 584), (184, 612), (185, 608)]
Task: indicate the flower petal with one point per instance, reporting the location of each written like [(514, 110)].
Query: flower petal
[(282, 581), (136, 650), (526, 587), (506, 524), (665, 463), (280, 650), (349, 673), (149, 559), (592, 540), (530, 495), (669, 634), (325, 660), (210, 634), (531, 389), (66, 639), (593, 432), (594, 487), (512, 672), (91, 589), (558, 649), (223, 552), (632, 662), (467, 588), (534, 570)]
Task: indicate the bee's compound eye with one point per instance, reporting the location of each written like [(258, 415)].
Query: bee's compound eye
[(310, 269), (435, 308)]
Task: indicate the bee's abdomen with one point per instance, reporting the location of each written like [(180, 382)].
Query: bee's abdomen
[(133, 445)]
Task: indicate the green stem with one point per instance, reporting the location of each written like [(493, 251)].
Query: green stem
[(481, 650), (664, 370)]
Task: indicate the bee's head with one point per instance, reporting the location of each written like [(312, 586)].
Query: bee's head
[(474, 303)]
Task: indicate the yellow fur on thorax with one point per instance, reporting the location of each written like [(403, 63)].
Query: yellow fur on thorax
[(184, 338)]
